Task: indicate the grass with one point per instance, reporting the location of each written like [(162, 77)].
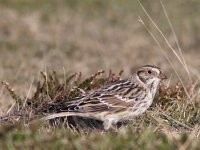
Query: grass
[(85, 36), (171, 112), (62, 139)]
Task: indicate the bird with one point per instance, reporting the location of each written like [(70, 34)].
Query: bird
[(115, 102)]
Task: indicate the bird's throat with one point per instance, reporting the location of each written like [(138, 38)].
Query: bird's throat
[(153, 87)]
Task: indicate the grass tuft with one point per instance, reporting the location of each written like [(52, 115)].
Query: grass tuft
[(172, 121)]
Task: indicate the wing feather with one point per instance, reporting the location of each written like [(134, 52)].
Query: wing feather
[(118, 95)]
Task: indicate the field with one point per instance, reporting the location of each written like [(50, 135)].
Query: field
[(62, 38)]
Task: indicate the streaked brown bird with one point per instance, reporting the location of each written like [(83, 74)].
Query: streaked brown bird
[(116, 102)]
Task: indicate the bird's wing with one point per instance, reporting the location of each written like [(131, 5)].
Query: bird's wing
[(119, 95), (99, 104)]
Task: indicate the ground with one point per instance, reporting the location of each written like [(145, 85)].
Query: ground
[(73, 36)]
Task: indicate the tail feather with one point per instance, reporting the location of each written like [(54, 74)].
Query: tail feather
[(57, 115)]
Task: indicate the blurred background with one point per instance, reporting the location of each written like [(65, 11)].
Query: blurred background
[(85, 36)]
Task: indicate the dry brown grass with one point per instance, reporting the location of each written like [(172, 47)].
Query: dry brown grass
[(75, 36), (87, 39)]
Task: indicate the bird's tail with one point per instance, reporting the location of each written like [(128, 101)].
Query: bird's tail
[(57, 115)]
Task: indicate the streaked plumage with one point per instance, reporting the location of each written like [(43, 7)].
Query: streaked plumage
[(115, 102)]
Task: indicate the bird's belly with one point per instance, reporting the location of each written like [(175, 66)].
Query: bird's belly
[(135, 111), (121, 115)]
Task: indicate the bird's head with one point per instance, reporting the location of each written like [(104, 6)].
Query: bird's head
[(150, 75)]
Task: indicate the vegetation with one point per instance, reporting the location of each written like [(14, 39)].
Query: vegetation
[(84, 36), (171, 122)]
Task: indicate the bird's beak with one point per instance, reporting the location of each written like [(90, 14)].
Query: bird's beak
[(162, 76)]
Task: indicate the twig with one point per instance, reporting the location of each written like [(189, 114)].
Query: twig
[(176, 121), (167, 42), (24, 104), (20, 113), (176, 40)]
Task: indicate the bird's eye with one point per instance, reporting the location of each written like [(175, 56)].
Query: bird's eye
[(149, 71)]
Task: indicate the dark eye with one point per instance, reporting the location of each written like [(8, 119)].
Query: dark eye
[(149, 71)]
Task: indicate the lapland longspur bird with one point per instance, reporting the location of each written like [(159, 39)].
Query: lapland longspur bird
[(116, 102)]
